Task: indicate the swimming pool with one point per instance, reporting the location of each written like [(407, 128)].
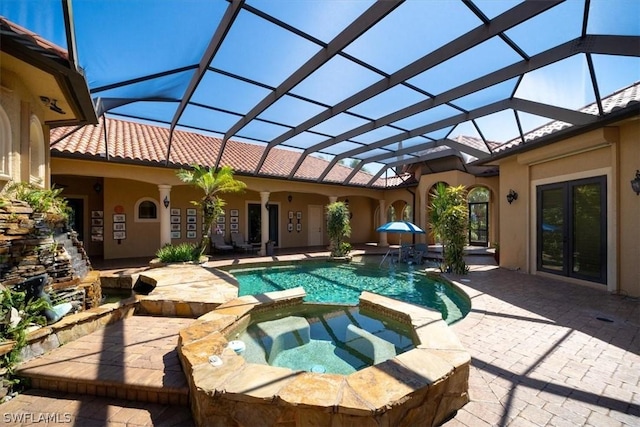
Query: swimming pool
[(342, 283)]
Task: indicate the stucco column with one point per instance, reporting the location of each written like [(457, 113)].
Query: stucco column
[(382, 242), (264, 222), (165, 217), (333, 199)]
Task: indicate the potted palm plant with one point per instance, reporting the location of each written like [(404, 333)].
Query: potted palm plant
[(449, 215), (338, 228)]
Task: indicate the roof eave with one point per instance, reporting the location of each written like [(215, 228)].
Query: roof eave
[(72, 82), (613, 117)]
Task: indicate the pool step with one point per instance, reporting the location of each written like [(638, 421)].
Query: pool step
[(283, 334), (369, 345), (134, 359)]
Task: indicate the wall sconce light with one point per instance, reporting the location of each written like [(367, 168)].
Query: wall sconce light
[(635, 183), (165, 202), (52, 104), (512, 196), (266, 205), (289, 198), (346, 202), (97, 187)]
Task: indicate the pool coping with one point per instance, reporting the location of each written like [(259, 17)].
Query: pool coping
[(428, 383)]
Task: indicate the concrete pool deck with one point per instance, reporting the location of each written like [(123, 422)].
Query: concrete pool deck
[(539, 355)]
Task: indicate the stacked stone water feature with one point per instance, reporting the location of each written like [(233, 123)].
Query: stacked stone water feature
[(29, 246)]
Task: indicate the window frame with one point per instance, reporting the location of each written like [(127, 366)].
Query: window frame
[(137, 210)]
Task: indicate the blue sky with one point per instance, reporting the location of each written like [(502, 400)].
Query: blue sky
[(122, 39)]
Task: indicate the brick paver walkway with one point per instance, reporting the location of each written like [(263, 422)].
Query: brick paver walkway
[(127, 374), (548, 353)]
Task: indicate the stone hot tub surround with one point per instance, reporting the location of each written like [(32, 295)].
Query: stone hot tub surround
[(423, 386)]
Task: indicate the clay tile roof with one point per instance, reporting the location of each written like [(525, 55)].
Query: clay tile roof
[(621, 99), (32, 39), (147, 144)]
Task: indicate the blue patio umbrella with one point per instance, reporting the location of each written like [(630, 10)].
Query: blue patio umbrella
[(401, 227)]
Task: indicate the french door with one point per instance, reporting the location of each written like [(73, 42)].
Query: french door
[(255, 223), (571, 229)]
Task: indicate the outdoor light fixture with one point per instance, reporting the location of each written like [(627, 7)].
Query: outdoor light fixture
[(289, 198), (52, 104), (166, 201), (512, 196), (635, 183), (97, 187), (266, 205)]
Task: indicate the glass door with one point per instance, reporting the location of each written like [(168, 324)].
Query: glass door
[(478, 220), (255, 223), (478, 200), (571, 229)]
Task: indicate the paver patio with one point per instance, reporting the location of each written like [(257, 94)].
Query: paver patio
[(544, 352)]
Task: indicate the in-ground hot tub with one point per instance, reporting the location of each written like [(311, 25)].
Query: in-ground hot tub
[(322, 338), (423, 385)]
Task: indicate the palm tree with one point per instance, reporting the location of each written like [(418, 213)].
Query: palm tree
[(449, 218), (212, 183), (439, 205)]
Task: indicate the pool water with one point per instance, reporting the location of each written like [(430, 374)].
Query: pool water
[(323, 343), (342, 283)]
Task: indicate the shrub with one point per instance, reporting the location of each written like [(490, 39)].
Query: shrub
[(338, 228), (184, 252), (30, 313), (48, 202)]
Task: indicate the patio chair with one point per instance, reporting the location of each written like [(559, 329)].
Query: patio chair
[(218, 243), (238, 241), (416, 257)]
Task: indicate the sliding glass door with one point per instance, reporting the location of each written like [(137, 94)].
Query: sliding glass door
[(571, 229)]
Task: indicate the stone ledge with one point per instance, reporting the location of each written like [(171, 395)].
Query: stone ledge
[(183, 290), (424, 385)]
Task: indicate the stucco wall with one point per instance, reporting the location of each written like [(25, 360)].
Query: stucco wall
[(612, 152), (629, 211), (455, 178), (77, 187), (120, 195), (20, 104)]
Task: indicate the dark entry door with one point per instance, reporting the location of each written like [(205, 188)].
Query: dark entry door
[(76, 216), (255, 226), (571, 229)]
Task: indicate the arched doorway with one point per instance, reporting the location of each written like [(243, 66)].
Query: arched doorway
[(478, 200)]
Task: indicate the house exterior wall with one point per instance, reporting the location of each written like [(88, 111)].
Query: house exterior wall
[(20, 106), (610, 151), (629, 210), (455, 178), (123, 186)]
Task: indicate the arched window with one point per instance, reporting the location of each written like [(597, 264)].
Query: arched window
[(5, 147), (36, 152), (479, 194), (146, 210)]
